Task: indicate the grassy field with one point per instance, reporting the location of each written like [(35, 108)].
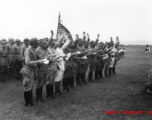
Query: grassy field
[(89, 102)]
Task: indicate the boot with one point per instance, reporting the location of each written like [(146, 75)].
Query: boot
[(83, 78), (72, 82), (106, 73), (37, 94), (41, 98), (31, 97), (96, 75), (2, 79), (57, 88), (26, 97), (68, 84), (110, 70), (65, 84), (114, 70), (90, 77), (51, 91), (79, 80), (100, 73), (48, 91)]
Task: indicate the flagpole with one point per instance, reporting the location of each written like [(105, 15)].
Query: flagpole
[(58, 26)]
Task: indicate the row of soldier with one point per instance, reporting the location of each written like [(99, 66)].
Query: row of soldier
[(86, 60)]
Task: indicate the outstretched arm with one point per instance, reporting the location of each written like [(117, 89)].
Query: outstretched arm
[(28, 60), (97, 40), (84, 37), (67, 41), (50, 40), (88, 38), (59, 41)]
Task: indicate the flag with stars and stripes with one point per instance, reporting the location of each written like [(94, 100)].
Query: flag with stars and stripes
[(61, 28)]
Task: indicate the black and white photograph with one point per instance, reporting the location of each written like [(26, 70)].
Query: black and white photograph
[(75, 60)]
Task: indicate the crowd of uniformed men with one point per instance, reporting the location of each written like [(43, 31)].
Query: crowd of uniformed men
[(59, 65)]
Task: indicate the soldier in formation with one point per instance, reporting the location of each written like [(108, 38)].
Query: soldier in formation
[(58, 65)]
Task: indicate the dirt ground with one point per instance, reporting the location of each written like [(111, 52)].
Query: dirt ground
[(89, 102)]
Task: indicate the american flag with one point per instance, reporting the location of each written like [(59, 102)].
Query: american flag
[(61, 28)]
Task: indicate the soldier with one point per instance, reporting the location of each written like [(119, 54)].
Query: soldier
[(111, 42), (108, 59), (73, 71), (98, 63), (101, 53), (115, 62), (60, 62), (10, 56), (68, 69), (51, 72), (29, 71), (97, 59), (23, 48), (84, 37), (3, 60), (43, 69), (91, 58), (82, 62), (77, 37), (111, 64), (52, 75), (17, 57), (79, 61)]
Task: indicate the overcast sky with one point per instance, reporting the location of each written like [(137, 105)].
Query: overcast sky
[(131, 20)]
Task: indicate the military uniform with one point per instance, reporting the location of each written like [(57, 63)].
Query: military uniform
[(23, 48), (99, 67), (100, 62), (51, 74), (3, 62), (115, 63), (81, 69), (29, 72), (74, 69), (111, 65), (68, 68), (92, 59), (107, 67), (17, 60), (11, 58), (61, 67), (42, 73)]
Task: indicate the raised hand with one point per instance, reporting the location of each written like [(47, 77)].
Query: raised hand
[(98, 35), (52, 33), (65, 35), (88, 35)]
